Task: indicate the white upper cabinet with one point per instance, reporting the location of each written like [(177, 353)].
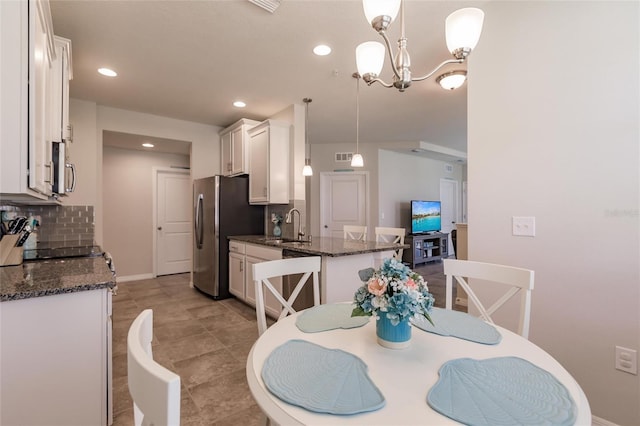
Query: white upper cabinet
[(28, 52), (234, 151), (58, 93), (269, 163)]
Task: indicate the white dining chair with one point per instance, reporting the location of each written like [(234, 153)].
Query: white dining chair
[(520, 280), (308, 266), (154, 389), (355, 232), (391, 235)]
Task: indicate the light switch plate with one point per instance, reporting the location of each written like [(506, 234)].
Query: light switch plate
[(524, 226)]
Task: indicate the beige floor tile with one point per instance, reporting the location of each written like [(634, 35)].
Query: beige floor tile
[(203, 340)]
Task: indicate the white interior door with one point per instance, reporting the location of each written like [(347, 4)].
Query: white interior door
[(343, 197), (449, 204), (173, 222)]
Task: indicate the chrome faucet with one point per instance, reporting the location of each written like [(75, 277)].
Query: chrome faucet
[(289, 219)]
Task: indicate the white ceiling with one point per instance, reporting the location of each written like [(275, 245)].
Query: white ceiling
[(191, 59)]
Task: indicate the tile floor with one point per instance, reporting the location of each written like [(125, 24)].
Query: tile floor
[(206, 342)]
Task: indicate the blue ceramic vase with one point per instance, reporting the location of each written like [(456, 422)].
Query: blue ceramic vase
[(393, 336), (277, 231)]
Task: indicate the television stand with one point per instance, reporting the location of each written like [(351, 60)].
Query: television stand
[(425, 248)]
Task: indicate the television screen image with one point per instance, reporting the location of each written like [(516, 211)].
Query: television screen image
[(425, 216)]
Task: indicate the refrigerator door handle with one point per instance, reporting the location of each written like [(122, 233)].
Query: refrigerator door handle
[(198, 221)]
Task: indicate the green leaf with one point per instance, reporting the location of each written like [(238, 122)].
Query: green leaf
[(359, 312), (366, 274), (426, 316)]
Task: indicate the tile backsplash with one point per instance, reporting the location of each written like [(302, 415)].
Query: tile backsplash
[(67, 224)]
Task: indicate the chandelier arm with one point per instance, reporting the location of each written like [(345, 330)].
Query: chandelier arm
[(391, 60), (447, 62), (370, 81)]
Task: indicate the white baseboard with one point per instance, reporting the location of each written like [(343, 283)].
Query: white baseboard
[(134, 278), (597, 421)]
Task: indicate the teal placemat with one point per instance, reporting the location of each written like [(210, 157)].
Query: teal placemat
[(320, 379), (329, 317), (459, 324), (501, 391)]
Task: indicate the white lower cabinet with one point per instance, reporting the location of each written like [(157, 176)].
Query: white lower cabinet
[(253, 254), (236, 269), (55, 359)]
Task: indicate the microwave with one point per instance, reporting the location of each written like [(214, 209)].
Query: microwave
[(64, 173)]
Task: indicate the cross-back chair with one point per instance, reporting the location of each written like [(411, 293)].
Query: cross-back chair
[(308, 266), (355, 232), (391, 235), (154, 389), (520, 280)]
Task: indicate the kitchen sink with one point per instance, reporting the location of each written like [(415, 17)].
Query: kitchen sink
[(277, 241), (296, 243)]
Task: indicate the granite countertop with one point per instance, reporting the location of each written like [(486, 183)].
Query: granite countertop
[(56, 276), (320, 246)]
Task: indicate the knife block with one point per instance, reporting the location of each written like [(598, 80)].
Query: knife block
[(10, 255)]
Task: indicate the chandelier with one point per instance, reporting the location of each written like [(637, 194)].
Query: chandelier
[(462, 30)]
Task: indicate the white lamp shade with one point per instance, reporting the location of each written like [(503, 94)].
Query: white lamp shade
[(452, 80), (307, 170), (357, 161), (370, 58), (463, 28), (375, 8)]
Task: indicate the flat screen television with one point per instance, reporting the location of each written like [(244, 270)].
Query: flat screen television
[(425, 216)]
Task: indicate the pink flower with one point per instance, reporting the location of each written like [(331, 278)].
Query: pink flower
[(376, 287), (411, 283)]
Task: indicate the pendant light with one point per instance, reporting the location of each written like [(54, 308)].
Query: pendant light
[(306, 170), (357, 160)]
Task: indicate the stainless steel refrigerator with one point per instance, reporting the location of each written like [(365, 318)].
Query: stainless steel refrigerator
[(221, 209)]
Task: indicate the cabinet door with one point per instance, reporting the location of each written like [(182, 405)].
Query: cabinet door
[(238, 155), (236, 275), (259, 167), (39, 54), (58, 92), (225, 154)]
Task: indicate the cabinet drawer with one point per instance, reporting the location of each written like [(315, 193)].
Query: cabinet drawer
[(263, 253), (236, 247)]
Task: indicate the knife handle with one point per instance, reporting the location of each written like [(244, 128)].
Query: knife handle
[(23, 239)]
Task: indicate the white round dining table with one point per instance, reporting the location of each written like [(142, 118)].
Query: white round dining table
[(404, 376)]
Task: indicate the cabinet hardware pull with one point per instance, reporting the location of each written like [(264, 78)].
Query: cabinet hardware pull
[(50, 166)]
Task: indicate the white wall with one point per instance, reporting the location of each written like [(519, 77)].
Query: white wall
[(404, 177), (553, 107), (128, 206), (322, 160), (90, 120), (394, 179)]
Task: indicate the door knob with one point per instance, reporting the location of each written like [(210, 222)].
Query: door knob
[(326, 226), (159, 228)]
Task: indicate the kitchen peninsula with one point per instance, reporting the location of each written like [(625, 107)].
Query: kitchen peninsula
[(55, 355), (341, 260)]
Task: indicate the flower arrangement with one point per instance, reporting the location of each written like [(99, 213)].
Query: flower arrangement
[(393, 290), (276, 219)]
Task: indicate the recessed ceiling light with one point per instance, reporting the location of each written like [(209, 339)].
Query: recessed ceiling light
[(322, 50), (107, 72), (147, 145), (239, 104)]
